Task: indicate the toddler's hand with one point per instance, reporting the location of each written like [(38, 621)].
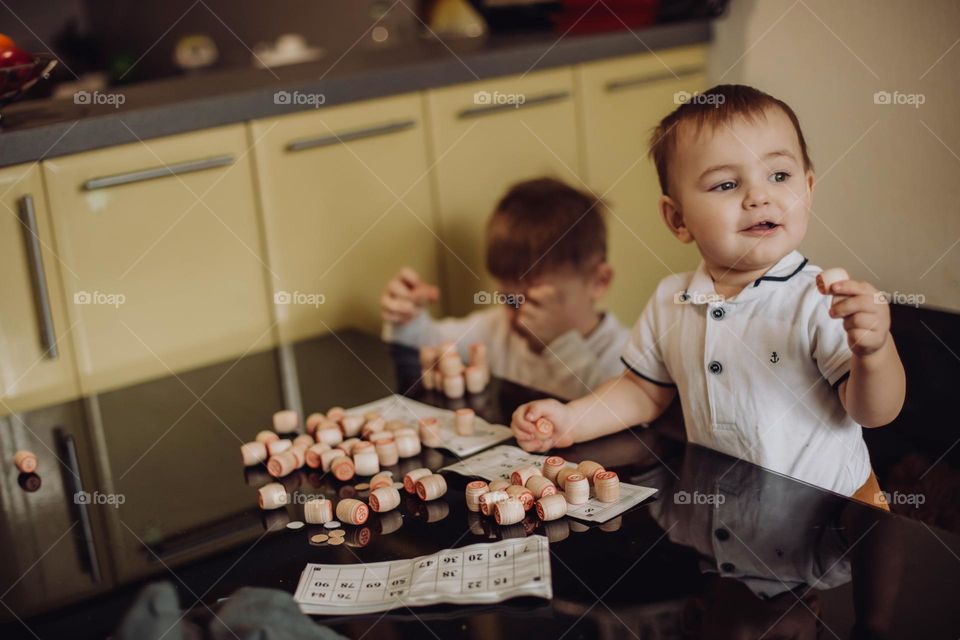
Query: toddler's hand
[(405, 296), (865, 313), (542, 425)]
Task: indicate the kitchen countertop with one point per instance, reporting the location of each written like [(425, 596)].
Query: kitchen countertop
[(720, 536), (37, 129)]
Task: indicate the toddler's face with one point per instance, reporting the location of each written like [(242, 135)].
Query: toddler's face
[(740, 192)]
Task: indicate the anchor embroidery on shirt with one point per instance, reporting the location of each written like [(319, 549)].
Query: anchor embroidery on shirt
[(774, 358)]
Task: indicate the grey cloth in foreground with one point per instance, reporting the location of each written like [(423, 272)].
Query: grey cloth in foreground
[(249, 614)]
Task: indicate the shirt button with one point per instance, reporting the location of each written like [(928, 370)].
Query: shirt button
[(716, 367), (722, 535), (718, 313), (728, 567)]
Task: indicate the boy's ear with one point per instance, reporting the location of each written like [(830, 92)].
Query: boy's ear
[(602, 279), (673, 218)]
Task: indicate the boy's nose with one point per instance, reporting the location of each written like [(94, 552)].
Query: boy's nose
[(756, 197)]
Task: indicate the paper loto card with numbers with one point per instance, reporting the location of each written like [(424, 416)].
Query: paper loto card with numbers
[(478, 574), (398, 407), (500, 461)]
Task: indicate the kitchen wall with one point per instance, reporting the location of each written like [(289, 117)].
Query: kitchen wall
[(887, 201)]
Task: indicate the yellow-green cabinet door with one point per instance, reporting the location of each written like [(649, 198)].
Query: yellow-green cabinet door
[(36, 352), (346, 204), (486, 136), (622, 101), (161, 255)]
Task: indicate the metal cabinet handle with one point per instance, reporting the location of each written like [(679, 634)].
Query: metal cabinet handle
[(38, 277), (348, 136), (176, 169), (630, 83), (73, 481), (487, 109)]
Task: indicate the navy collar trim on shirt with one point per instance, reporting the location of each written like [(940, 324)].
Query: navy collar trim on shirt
[(781, 278)]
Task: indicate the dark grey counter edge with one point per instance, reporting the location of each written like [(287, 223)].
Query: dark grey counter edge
[(171, 112)]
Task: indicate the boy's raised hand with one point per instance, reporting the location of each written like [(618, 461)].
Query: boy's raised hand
[(866, 315), (524, 425), (405, 296)]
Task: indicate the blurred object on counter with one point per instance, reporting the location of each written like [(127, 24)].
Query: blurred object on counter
[(290, 48), (588, 16), (89, 82), (680, 10), (195, 51), (509, 16), (453, 19), (20, 69)]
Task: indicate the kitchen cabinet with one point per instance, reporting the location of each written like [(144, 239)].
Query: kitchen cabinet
[(161, 255), (621, 101), (346, 203), (486, 136), (36, 347), (51, 517)]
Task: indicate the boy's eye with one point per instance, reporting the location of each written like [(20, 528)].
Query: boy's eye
[(779, 176), (725, 186)]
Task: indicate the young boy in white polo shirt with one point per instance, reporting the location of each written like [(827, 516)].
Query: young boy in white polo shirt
[(768, 369), (546, 247)]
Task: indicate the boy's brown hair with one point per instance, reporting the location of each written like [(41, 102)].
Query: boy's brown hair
[(714, 108), (542, 225)]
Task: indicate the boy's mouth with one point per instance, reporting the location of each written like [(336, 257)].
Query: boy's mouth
[(763, 228)]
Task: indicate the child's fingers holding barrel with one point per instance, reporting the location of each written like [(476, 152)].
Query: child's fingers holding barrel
[(421, 292), (523, 429)]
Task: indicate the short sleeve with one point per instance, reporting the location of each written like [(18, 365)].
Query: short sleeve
[(828, 341), (642, 354)]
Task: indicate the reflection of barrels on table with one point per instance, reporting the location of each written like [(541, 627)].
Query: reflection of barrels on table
[(512, 531), (256, 477), (556, 530), (359, 537), (291, 482), (386, 523), (578, 527), (613, 524), (29, 482), (433, 511), (275, 520)]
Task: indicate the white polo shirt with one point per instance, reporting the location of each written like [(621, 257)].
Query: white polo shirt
[(757, 374)]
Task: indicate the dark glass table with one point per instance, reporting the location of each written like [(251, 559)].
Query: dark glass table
[(726, 549)]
